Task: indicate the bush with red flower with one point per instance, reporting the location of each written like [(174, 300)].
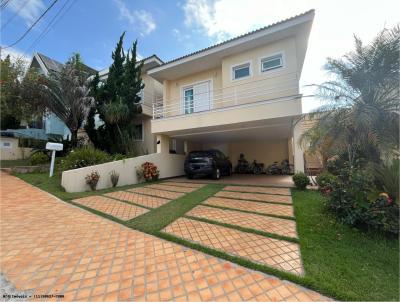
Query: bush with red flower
[(147, 171)]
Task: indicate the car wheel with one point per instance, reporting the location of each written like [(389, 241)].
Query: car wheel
[(217, 174)]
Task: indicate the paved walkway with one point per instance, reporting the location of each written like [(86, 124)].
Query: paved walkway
[(234, 204), (50, 247)]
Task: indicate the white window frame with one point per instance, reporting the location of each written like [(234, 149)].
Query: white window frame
[(140, 140), (238, 65), (191, 86), (283, 66)]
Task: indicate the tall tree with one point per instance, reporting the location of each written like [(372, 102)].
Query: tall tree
[(117, 102), (66, 94), (19, 99), (361, 104)]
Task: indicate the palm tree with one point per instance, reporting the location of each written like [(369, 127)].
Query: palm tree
[(361, 103), (66, 94)]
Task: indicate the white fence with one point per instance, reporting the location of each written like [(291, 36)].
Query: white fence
[(170, 165)]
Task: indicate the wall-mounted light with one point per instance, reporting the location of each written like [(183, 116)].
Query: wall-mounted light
[(158, 142)]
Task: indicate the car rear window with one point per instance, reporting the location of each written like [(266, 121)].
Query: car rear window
[(199, 154)]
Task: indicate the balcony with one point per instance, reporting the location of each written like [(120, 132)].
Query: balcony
[(248, 104), (282, 88)]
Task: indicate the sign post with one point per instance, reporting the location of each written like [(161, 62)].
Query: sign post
[(53, 147)]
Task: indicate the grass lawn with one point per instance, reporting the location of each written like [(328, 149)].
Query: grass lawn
[(342, 260), (339, 261)]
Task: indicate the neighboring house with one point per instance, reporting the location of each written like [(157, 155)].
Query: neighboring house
[(19, 143), (51, 124), (240, 96), (152, 93)]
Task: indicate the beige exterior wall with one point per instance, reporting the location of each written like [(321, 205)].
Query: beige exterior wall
[(259, 86), (263, 152), (262, 85), (148, 144), (153, 90), (233, 115), (9, 149), (173, 89), (170, 165)]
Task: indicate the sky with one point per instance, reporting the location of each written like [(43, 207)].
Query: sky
[(174, 28)]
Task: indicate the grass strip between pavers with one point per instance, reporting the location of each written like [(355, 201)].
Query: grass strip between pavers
[(244, 229), (339, 261), (160, 217), (250, 212)]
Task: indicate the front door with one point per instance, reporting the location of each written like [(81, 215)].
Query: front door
[(197, 98)]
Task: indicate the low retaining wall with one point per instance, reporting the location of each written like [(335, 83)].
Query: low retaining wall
[(170, 165)]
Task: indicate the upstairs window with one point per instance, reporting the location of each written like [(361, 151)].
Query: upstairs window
[(241, 71), (270, 63)]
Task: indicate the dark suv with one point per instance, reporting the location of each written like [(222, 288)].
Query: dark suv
[(212, 163)]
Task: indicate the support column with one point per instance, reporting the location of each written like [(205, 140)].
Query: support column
[(162, 143), (298, 151)]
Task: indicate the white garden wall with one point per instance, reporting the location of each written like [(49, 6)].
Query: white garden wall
[(170, 165)]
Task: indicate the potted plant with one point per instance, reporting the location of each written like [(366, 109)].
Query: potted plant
[(92, 179), (148, 171), (114, 178)]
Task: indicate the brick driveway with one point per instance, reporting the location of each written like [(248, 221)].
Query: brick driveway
[(262, 209), (49, 246)]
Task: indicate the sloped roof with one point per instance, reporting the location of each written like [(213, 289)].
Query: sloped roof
[(53, 65), (241, 36)]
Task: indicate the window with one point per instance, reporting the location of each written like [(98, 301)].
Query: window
[(272, 62), (6, 145), (139, 132), (188, 100), (241, 71)]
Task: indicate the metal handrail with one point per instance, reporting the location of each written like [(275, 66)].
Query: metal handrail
[(221, 96), (180, 108)]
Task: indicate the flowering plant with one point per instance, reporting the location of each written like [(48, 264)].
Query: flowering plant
[(147, 171), (92, 179)]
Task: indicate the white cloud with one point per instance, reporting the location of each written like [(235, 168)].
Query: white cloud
[(140, 18), (15, 54), (179, 35), (27, 10), (331, 36)]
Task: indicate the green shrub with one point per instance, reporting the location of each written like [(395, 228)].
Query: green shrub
[(39, 158), (355, 201), (84, 157), (301, 180), (325, 179), (119, 156)]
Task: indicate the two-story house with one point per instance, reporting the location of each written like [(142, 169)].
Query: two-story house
[(150, 94), (50, 123), (239, 96)]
